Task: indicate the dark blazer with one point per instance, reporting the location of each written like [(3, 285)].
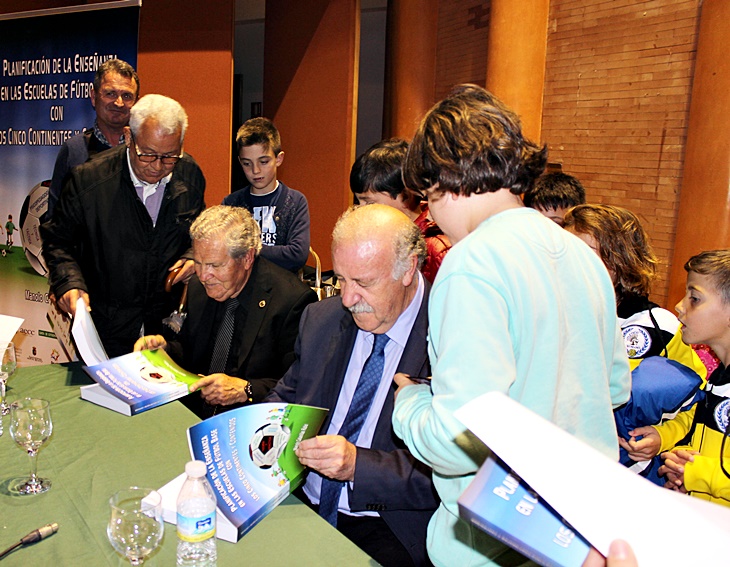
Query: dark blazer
[(274, 299), (388, 479)]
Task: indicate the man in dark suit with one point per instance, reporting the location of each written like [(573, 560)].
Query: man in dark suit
[(383, 497), (243, 314), (121, 224)]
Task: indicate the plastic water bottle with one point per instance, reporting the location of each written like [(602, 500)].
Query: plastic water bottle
[(196, 519)]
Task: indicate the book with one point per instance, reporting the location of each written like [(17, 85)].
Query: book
[(136, 382), (601, 499), (61, 325), (500, 503), (250, 460), (86, 337)]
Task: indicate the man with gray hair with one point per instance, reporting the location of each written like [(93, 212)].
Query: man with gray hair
[(123, 222), (243, 314), (113, 93), (363, 480)]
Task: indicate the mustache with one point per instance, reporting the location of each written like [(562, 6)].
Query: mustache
[(360, 307)]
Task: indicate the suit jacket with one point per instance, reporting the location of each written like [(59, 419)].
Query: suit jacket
[(388, 479), (263, 349)]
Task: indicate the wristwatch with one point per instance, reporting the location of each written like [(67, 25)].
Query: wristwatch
[(249, 392)]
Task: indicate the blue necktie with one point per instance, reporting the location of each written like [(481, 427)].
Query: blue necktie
[(367, 385)]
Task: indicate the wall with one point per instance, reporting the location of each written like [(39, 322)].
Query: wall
[(310, 86), (461, 48), (616, 102)]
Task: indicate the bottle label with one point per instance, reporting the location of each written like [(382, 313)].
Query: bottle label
[(196, 529)]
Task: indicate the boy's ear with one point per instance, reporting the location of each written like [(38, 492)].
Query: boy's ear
[(279, 159)]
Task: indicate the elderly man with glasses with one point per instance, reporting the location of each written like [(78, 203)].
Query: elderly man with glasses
[(122, 223)]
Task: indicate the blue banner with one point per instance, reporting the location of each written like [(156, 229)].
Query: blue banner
[(46, 74)]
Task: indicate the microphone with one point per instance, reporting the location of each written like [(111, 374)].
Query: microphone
[(33, 537)]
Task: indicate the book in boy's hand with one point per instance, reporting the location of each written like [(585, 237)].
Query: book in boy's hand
[(250, 461), (137, 381), (602, 499), (500, 503)]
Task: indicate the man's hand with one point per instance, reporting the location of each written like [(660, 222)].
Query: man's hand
[(673, 468), (221, 389), (330, 455), (402, 381), (644, 449), (150, 342), (187, 269), (68, 300), (620, 554)]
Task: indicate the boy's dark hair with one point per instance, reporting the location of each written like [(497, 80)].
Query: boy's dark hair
[(716, 265), (259, 131), (623, 245), (471, 143), (554, 191), (120, 68), (379, 169)]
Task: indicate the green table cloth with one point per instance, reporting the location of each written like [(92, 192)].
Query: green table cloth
[(94, 452)]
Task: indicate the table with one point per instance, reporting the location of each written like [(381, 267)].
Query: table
[(95, 451)]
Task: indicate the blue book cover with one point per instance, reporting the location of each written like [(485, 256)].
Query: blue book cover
[(501, 504), (249, 455), (137, 381)]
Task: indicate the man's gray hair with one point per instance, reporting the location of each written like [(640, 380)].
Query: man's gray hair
[(169, 114), (361, 224), (233, 225)]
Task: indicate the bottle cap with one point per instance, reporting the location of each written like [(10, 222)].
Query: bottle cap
[(195, 469)]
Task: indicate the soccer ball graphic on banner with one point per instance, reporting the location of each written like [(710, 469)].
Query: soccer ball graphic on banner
[(268, 443), (31, 215)]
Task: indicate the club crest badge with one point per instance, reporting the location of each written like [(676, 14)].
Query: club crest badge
[(722, 414), (637, 340)]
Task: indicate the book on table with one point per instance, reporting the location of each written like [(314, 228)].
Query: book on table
[(136, 382), (550, 495), (250, 461), (131, 383)]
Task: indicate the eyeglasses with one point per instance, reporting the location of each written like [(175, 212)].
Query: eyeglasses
[(149, 158), (112, 96)]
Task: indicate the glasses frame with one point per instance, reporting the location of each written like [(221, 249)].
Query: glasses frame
[(151, 158)]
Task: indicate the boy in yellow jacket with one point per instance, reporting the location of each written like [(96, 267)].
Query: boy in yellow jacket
[(693, 440)]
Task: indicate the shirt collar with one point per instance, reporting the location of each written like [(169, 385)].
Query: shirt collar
[(102, 138), (401, 329)]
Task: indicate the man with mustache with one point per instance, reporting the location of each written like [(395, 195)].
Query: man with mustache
[(363, 480)]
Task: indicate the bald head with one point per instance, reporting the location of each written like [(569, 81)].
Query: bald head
[(384, 227), (376, 252)]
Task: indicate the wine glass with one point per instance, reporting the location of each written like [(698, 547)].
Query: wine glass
[(8, 364), (135, 524), (30, 427)]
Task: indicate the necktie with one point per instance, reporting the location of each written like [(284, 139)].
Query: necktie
[(225, 336), (367, 385)]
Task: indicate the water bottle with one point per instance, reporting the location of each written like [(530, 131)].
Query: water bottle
[(196, 519)]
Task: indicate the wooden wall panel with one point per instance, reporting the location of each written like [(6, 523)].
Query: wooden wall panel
[(310, 86), (616, 105)]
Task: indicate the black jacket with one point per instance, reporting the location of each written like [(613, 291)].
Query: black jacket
[(267, 324), (101, 240)]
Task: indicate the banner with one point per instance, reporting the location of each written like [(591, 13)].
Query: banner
[(48, 63)]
